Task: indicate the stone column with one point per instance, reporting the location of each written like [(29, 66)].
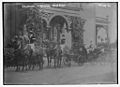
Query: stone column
[(48, 32)]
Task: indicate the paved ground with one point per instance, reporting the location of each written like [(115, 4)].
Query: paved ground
[(103, 70)]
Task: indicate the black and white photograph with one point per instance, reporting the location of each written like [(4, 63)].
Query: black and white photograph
[(60, 43)]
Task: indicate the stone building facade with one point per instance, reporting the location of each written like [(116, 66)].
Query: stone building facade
[(72, 24)]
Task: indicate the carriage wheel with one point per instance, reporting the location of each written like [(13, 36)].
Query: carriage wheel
[(66, 61), (80, 60)]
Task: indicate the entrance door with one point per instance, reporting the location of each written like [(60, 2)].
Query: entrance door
[(55, 33), (58, 26)]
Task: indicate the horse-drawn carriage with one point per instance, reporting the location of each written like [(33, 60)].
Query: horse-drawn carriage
[(81, 55), (25, 55), (29, 56), (78, 57)]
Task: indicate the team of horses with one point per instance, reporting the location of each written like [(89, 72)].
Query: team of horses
[(26, 56)]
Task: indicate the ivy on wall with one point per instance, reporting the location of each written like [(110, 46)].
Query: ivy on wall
[(35, 24), (77, 31)]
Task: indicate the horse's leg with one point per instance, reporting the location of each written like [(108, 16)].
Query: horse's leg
[(34, 63), (40, 65), (48, 60), (30, 63), (51, 57), (42, 62), (19, 67), (29, 66), (16, 68), (26, 64), (39, 62), (55, 61), (23, 63), (86, 57), (16, 65), (33, 66), (23, 66), (60, 60)]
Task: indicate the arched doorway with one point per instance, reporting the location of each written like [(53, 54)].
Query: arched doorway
[(44, 29), (58, 29)]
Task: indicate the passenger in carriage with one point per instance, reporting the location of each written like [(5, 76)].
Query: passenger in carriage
[(31, 37), (83, 53), (25, 35), (32, 40), (15, 42), (91, 47)]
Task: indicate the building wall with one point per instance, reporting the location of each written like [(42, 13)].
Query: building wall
[(89, 28), (90, 12), (6, 31), (13, 20), (109, 10)]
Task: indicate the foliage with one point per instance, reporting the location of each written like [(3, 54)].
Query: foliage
[(77, 31), (34, 23)]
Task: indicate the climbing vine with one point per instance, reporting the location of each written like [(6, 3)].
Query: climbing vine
[(34, 23), (77, 31)]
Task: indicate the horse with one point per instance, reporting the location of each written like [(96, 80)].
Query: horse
[(8, 57), (66, 55), (59, 55), (54, 53), (36, 58), (22, 53), (50, 53)]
